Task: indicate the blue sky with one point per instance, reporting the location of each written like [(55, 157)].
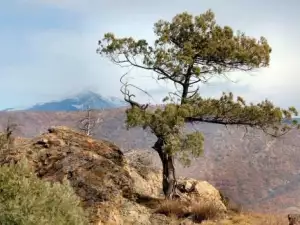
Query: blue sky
[(48, 47)]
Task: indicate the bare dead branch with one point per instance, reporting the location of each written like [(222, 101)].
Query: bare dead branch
[(128, 97), (89, 122)]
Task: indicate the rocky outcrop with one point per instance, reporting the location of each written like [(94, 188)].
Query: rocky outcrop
[(95, 169), (112, 191)]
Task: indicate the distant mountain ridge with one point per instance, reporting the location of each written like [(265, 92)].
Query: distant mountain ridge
[(77, 103)]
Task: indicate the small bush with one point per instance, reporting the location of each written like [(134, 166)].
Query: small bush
[(27, 200), (205, 211), (173, 208)]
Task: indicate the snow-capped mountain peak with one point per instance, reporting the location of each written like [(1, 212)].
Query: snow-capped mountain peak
[(77, 102)]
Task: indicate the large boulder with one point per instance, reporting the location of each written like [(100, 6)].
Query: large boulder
[(201, 191)]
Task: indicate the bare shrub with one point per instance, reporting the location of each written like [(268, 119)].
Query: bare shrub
[(6, 136), (173, 208), (205, 211)]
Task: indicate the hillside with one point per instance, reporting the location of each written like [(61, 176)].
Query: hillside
[(251, 168), (114, 188)]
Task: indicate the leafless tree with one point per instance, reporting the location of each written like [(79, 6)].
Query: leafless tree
[(6, 138), (89, 122)]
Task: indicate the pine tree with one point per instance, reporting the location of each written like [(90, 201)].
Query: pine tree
[(188, 51)]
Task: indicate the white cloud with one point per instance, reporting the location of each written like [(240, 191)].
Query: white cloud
[(69, 53)]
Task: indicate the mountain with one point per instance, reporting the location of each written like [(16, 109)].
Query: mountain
[(77, 102), (8, 109)]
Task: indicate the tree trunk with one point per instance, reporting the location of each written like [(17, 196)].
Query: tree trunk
[(169, 178), (88, 131)]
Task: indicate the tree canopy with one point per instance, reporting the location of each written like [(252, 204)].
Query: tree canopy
[(189, 50)]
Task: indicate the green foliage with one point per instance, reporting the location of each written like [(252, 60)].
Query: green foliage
[(27, 200), (167, 123), (189, 50), (188, 46), (227, 110)]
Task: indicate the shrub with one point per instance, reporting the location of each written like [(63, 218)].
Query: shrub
[(27, 200), (205, 211), (173, 208)]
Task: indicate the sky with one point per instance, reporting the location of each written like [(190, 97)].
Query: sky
[(48, 47)]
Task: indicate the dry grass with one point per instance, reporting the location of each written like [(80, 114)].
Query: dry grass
[(251, 219), (209, 214), (173, 208), (199, 211), (205, 211), (269, 219)]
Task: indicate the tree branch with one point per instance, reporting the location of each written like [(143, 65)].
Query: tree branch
[(239, 122), (128, 97)]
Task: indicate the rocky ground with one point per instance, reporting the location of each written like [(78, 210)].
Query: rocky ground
[(118, 188)]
